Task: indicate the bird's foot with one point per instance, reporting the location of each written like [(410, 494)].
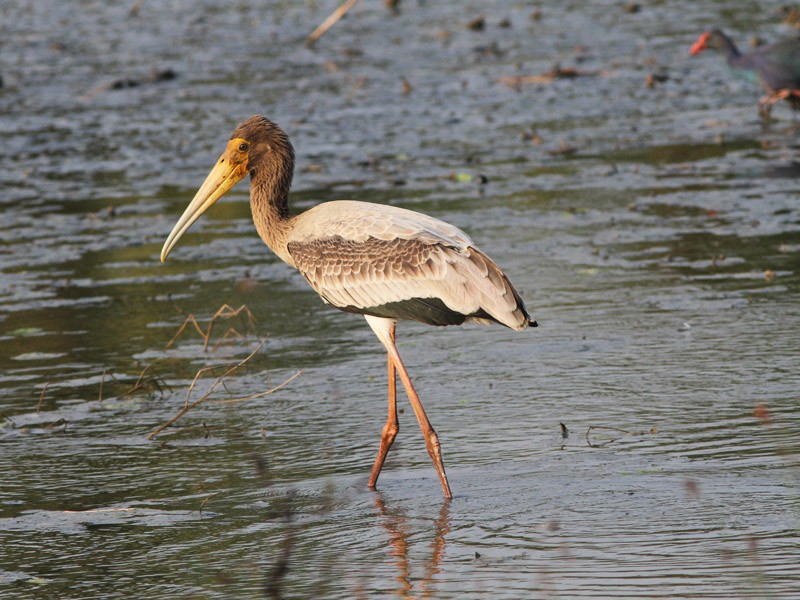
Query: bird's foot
[(388, 436), (435, 452), (766, 102)]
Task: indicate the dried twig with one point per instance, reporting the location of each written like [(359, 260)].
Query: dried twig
[(206, 499), (230, 332), (260, 394), (150, 384), (189, 406), (138, 383), (206, 429), (652, 430), (153, 381), (329, 22), (102, 380), (224, 312), (219, 381), (41, 397)]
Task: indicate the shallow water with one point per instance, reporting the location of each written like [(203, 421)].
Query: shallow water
[(660, 257)]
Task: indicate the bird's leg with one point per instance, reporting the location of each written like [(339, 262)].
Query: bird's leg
[(392, 426), (384, 329), (794, 99), (765, 105), (766, 102), (431, 439)]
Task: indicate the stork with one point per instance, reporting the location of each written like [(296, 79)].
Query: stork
[(384, 262)]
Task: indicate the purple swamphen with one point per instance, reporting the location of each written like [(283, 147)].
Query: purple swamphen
[(776, 66)]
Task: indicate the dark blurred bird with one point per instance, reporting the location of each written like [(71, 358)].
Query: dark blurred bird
[(383, 262), (775, 66)]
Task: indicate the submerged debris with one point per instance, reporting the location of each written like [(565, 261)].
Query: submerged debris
[(477, 24), (564, 435), (654, 79), (791, 16), (150, 384), (563, 149), (532, 136), (611, 440), (134, 10), (761, 412), (156, 76), (692, 488), (557, 72)]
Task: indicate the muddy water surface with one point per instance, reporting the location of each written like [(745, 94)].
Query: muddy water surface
[(653, 231)]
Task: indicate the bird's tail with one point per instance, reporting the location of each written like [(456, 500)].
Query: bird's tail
[(508, 307)]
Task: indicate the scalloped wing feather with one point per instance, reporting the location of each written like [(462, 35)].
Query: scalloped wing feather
[(400, 276)]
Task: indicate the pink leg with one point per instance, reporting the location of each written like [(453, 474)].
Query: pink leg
[(384, 329), (766, 102), (392, 426)]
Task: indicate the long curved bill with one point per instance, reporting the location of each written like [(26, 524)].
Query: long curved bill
[(225, 174)]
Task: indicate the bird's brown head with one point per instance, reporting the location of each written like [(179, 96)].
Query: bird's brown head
[(257, 146), (268, 145)]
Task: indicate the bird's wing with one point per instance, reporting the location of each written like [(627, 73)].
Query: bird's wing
[(402, 264), (359, 221)]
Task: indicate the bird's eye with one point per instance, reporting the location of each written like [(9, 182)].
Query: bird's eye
[(244, 147)]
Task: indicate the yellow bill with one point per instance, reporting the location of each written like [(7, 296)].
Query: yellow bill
[(229, 170)]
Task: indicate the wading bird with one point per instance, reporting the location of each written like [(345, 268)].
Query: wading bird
[(383, 262), (776, 66)]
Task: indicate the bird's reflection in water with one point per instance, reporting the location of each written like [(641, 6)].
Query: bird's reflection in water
[(399, 530)]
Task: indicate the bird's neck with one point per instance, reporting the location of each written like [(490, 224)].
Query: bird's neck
[(728, 48), (269, 201)]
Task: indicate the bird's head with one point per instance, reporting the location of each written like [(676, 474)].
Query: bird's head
[(709, 39), (257, 146)]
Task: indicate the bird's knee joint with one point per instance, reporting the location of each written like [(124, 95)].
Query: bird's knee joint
[(432, 442), (390, 430)]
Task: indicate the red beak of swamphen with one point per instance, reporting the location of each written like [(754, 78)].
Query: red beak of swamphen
[(700, 44)]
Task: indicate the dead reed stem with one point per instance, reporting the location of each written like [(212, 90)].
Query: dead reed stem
[(41, 397), (219, 381), (329, 22), (224, 312)]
